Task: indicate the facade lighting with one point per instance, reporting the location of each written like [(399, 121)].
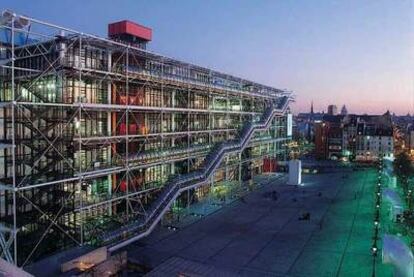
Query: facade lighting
[(51, 85), (77, 123)]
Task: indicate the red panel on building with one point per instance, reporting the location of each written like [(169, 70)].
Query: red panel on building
[(133, 129), (130, 28), (131, 100), (269, 165), (122, 129), (123, 186)]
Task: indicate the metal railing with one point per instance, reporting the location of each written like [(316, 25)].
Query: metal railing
[(140, 228)]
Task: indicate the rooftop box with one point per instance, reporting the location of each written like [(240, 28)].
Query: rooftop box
[(130, 32)]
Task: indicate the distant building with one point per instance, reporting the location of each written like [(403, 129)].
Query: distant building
[(328, 137), (403, 134), (411, 139), (321, 134), (359, 137), (344, 111), (332, 110), (305, 123), (409, 136), (372, 136), (349, 134), (375, 137)]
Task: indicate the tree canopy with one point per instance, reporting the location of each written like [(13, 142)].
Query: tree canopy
[(402, 166)]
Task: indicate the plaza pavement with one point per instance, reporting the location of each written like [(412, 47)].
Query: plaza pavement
[(263, 237)]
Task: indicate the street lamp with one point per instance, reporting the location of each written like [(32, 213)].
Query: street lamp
[(374, 250)]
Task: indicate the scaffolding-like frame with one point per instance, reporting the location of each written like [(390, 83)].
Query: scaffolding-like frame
[(59, 123)]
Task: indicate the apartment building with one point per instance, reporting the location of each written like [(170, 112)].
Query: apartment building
[(374, 137), (101, 138), (328, 137), (363, 138)]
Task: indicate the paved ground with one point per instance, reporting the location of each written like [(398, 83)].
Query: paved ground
[(263, 237)]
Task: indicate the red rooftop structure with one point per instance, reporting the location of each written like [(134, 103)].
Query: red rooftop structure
[(131, 32)]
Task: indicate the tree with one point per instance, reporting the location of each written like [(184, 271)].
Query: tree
[(404, 169), (402, 166)]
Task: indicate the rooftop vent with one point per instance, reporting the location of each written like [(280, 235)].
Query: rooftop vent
[(130, 32)]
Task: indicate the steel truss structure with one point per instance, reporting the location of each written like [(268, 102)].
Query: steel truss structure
[(94, 133)]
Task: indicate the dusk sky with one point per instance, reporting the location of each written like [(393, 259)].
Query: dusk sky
[(358, 53)]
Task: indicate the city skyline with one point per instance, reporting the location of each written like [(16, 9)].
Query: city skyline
[(338, 58)]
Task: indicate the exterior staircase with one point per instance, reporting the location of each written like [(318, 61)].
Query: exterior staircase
[(139, 229)]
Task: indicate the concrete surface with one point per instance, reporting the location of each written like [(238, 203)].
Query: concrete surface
[(263, 237)]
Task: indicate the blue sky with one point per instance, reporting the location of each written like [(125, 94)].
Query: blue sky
[(358, 53)]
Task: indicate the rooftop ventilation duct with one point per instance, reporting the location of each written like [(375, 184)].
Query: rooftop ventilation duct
[(8, 17)]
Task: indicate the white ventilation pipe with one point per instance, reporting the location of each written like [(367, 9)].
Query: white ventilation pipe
[(398, 254)]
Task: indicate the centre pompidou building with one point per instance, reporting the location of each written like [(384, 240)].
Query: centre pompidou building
[(101, 139)]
